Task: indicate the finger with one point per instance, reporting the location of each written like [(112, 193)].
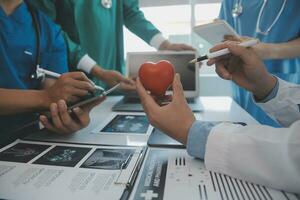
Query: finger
[(178, 93), (82, 116), (211, 62), (222, 72), (232, 38), (147, 101), (125, 86), (56, 119), (83, 85), (78, 76), (242, 52), (47, 124), (66, 119), (187, 47), (79, 92), (221, 46), (123, 79)]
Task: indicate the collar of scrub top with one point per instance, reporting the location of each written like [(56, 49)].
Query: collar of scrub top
[(20, 15), (237, 10)]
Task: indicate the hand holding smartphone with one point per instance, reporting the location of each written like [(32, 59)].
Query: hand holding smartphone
[(86, 100), (94, 97)]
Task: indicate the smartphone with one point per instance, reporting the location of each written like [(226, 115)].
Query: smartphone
[(215, 31), (85, 100), (93, 97)]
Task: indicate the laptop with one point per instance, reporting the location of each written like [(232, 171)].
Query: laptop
[(189, 74)]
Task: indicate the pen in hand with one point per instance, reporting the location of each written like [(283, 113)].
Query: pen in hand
[(56, 75), (223, 52)]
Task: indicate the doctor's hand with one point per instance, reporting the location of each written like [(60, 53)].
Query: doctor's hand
[(245, 68), (263, 50), (174, 119), (112, 78), (69, 87), (64, 122), (166, 45)]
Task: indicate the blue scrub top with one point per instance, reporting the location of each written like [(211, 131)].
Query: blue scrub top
[(287, 28), (18, 53)]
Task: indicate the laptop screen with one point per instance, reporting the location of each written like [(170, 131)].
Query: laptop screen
[(180, 61)]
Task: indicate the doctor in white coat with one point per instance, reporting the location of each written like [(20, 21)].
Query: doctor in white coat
[(256, 153)]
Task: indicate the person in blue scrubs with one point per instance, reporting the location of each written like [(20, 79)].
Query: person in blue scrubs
[(21, 96), (279, 47)]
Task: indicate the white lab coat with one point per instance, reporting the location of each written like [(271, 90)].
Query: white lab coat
[(262, 154)]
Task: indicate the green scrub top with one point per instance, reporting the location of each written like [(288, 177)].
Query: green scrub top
[(97, 31)]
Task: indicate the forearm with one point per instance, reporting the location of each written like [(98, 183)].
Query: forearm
[(18, 101), (97, 71), (284, 50), (47, 83), (136, 22)]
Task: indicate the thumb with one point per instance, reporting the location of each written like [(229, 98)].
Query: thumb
[(178, 93)]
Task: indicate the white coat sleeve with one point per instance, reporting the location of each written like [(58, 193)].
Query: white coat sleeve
[(259, 154), (285, 107)]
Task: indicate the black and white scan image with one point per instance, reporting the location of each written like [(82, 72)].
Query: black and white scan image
[(109, 159), (127, 124), (22, 152), (63, 156)]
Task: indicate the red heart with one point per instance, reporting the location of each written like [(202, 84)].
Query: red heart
[(157, 77)]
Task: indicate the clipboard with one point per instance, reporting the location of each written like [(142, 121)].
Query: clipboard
[(215, 31)]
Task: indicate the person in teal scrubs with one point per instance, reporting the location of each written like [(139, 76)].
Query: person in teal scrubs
[(94, 32), (21, 95), (277, 25)]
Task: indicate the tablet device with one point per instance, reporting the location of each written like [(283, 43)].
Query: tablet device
[(215, 31)]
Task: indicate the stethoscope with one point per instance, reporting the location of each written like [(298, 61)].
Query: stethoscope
[(237, 10), (106, 3), (36, 75)]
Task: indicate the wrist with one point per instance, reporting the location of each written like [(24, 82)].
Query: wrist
[(44, 99), (263, 89), (98, 72), (189, 124)]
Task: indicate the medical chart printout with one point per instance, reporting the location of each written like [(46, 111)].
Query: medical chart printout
[(169, 174), (41, 170)]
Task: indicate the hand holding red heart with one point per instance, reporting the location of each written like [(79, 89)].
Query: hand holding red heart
[(157, 77)]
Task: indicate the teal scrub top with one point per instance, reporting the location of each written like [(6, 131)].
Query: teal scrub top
[(90, 28), (287, 28), (17, 57)]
